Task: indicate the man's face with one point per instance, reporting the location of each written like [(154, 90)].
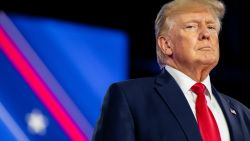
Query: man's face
[(194, 40)]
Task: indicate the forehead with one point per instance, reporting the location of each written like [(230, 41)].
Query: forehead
[(195, 16)]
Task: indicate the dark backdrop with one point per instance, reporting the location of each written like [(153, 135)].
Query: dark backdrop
[(231, 76)]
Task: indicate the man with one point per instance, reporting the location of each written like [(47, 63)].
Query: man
[(179, 104)]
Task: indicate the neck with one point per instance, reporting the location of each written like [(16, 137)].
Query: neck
[(198, 74)]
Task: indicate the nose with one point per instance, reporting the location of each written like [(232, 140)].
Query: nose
[(204, 33)]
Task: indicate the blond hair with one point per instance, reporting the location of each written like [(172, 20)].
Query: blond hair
[(163, 19)]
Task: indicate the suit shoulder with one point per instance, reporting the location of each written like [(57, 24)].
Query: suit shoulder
[(138, 86), (236, 103), (138, 82)]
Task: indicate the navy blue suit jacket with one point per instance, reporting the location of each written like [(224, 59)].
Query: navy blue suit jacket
[(155, 109)]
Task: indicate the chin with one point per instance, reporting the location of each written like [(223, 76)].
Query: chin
[(209, 59), (209, 62)]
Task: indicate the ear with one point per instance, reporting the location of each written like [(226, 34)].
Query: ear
[(165, 45)]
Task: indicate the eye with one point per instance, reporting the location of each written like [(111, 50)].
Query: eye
[(212, 27), (190, 26)]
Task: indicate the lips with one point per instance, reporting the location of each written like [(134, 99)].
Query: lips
[(205, 48)]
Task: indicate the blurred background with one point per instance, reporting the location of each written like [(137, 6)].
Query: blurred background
[(57, 60)]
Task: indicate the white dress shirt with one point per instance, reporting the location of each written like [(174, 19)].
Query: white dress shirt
[(185, 83)]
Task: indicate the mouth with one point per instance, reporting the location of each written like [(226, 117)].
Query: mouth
[(205, 48)]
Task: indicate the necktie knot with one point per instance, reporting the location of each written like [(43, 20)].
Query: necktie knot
[(198, 88)]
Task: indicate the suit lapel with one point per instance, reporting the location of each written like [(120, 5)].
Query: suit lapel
[(231, 116), (174, 98)]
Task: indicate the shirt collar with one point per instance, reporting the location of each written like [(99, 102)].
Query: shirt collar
[(185, 82)]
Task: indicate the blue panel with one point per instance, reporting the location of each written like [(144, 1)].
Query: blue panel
[(5, 134), (20, 100), (84, 59)]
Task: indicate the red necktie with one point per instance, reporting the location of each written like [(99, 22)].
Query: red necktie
[(206, 122)]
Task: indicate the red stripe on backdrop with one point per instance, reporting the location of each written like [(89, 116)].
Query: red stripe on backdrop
[(40, 88)]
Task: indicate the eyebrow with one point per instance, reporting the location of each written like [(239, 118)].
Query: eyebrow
[(198, 21)]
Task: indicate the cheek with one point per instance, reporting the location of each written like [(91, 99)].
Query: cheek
[(185, 40), (188, 45), (188, 39), (183, 50), (184, 45), (216, 47), (215, 40)]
